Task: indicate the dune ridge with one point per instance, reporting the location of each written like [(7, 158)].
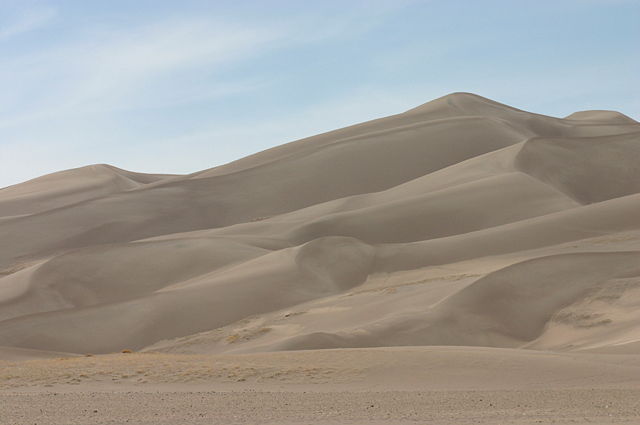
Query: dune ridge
[(461, 222)]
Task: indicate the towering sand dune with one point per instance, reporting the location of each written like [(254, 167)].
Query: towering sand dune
[(460, 222)]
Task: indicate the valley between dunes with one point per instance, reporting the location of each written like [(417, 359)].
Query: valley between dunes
[(461, 248)]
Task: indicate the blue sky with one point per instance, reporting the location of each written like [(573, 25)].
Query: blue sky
[(168, 86)]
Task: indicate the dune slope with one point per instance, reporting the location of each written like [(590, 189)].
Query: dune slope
[(462, 222)]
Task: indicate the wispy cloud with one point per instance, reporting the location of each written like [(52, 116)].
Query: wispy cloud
[(125, 68), (75, 95), (152, 65), (90, 83), (131, 62), (28, 20)]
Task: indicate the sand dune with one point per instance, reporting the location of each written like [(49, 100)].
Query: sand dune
[(462, 222), (70, 187), (591, 169), (461, 262), (602, 116)]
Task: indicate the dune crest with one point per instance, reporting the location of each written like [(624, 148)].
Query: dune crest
[(461, 222)]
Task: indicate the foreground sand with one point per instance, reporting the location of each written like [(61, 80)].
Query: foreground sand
[(323, 406), (386, 385)]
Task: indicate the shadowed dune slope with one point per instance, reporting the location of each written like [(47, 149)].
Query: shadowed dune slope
[(506, 308), (365, 164), (460, 222), (591, 169), (271, 282)]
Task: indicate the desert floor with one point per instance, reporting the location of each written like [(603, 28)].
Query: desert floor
[(448, 385)]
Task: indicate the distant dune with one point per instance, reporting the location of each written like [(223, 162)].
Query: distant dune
[(462, 222)]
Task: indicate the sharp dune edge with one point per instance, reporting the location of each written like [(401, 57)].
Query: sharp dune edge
[(463, 244)]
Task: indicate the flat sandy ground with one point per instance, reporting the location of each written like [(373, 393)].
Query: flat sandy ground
[(448, 385), (589, 406)]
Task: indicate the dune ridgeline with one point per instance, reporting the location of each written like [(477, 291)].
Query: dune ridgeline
[(462, 222)]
